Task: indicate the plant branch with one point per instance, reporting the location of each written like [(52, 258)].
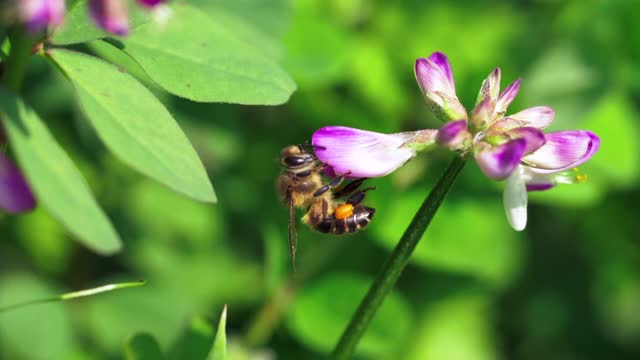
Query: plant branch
[(396, 262)]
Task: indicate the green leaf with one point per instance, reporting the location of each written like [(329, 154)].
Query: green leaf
[(194, 342), (271, 17), (78, 27), (321, 62), (455, 327), (324, 308), (142, 347), (199, 59), (615, 121), (134, 125), (266, 44), (485, 246), (36, 332), (56, 182), (219, 350), (112, 317)]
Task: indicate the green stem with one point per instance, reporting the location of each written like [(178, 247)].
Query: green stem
[(396, 262), (15, 65), (74, 295)]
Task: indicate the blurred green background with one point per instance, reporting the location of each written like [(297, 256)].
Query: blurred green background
[(568, 287)]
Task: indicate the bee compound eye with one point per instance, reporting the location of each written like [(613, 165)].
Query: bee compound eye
[(293, 161)]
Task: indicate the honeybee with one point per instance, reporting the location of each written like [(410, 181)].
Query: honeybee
[(302, 186)]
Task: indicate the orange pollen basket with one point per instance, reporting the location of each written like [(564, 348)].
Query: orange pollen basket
[(344, 211)]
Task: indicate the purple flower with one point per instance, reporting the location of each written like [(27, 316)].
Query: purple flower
[(15, 195), (362, 153), (150, 3), (39, 14), (435, 79), (111, 15), (506, 147)]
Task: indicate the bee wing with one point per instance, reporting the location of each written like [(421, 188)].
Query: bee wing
[(293, 237)]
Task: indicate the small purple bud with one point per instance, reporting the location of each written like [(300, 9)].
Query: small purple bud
[(454, 135), (111, 15), (482, 114), (435, 78)]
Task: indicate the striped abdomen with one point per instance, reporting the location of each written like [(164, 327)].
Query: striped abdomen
[(361, 217)]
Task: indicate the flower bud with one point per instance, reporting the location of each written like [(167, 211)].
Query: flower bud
[(435, 79)]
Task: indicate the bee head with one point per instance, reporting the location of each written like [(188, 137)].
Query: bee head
[(295, 157)]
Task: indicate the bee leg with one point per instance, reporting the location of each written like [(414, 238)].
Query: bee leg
[(356, 198), (348, 188), (331, 185)]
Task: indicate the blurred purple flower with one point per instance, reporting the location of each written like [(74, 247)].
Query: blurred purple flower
[(15, 195), (111, 15), (150, 3), (39, 14)]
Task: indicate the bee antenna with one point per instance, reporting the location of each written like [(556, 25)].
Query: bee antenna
[(308, 145)]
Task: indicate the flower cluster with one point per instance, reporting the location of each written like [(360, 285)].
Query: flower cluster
[(111, 15), (506, 147)]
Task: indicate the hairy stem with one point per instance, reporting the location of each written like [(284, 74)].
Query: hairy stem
[(396, 262)]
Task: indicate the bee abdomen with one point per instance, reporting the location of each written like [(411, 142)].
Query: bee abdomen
[(354, 223)]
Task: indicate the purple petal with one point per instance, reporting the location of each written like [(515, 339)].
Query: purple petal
[(482, 114), (361, 153), (507, 96), (111, 15), (39, 14), (452, 133), (538, 117), (15, 196), (443, 63), (497, 162), (537, 181), (535, 138), (506, 124), (150, 3), (564, 150), (490, 86), (539, 186), (434, 75)]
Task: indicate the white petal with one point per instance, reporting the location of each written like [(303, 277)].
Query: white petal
[(515, 200)]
